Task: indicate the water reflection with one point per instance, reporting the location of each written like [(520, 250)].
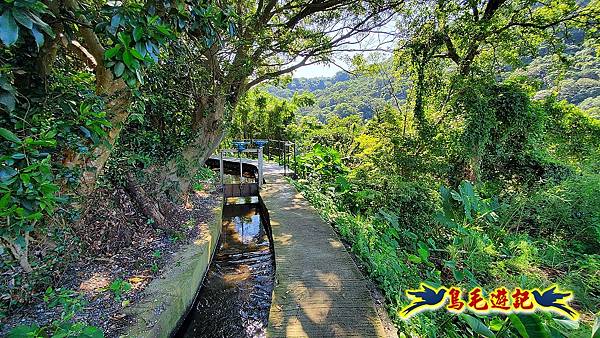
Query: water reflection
[(236, 294), (234, 178), (242, 200)]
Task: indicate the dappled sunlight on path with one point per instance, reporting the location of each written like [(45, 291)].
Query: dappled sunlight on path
[(319, 290)]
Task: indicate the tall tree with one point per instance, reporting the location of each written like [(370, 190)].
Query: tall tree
[(479, 38), (239, 44)]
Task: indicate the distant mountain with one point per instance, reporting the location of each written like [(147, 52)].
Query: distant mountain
[(345, 94), (309, 84), (579, 83)]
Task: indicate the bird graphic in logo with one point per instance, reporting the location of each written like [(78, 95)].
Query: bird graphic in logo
[(552, 300), (424, 298)]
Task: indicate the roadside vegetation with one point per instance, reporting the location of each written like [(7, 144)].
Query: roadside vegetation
[(412, 210), (456, 172), (531, 231), (467, 166)]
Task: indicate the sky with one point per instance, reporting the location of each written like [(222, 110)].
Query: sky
[(316, 70), (327, 70)]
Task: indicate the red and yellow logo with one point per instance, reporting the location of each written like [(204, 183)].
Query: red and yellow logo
[(501, 300)]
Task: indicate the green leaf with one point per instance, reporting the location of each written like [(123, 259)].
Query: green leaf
[(423, 253), (92, 332), (7, 134), (496, 324), (119, 69), (135, 53), (518, 325), (138, 74), (138, 33), (529, 325), (9, 31), (456, 196), (22, 18), (131, 82), (458, 275), (6, 174), (85, 131), (38, 36), (115, 21), (390, 217), (18, 156), (124, 38), (477, 325), (556, 333), (110, 53), (42, 25), (410, 235), (4, 200), (141, 48), (164, 30), (128, 59), (414, 258), (8, 100), (567, 323), (24, 331), (470, 276), (431, 242), (35, 216)]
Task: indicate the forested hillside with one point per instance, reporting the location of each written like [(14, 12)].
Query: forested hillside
[(577, 81), (470, 157), (483, 171), (573, 76), (342, 95)]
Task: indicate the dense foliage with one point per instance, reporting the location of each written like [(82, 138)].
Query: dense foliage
[(573, 77), (117, 95), (134, 96), (530, 220), (473, 173)]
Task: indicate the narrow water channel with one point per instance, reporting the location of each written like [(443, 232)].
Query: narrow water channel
[(235, 297)]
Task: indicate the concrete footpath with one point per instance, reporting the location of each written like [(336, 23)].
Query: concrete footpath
[(319, 290)]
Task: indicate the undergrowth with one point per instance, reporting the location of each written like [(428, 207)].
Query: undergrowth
[(399, 254)]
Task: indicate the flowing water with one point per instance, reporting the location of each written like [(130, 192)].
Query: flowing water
[(235, 297)]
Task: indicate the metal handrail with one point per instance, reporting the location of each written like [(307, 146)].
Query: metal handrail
[(285, 151)]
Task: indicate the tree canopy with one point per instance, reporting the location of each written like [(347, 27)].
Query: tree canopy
[(127, 99)]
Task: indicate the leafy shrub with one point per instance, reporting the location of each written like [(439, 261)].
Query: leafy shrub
[(464, 208), (503, 131), (36, 140), (568, 211), (44, 142), (570, 131), (119, 287), (322, 163), (28, 189), (70, 303)]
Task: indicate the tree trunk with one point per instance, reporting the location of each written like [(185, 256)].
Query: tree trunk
[(177, 175), (20, 254), (149, 207), (118, 100)]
